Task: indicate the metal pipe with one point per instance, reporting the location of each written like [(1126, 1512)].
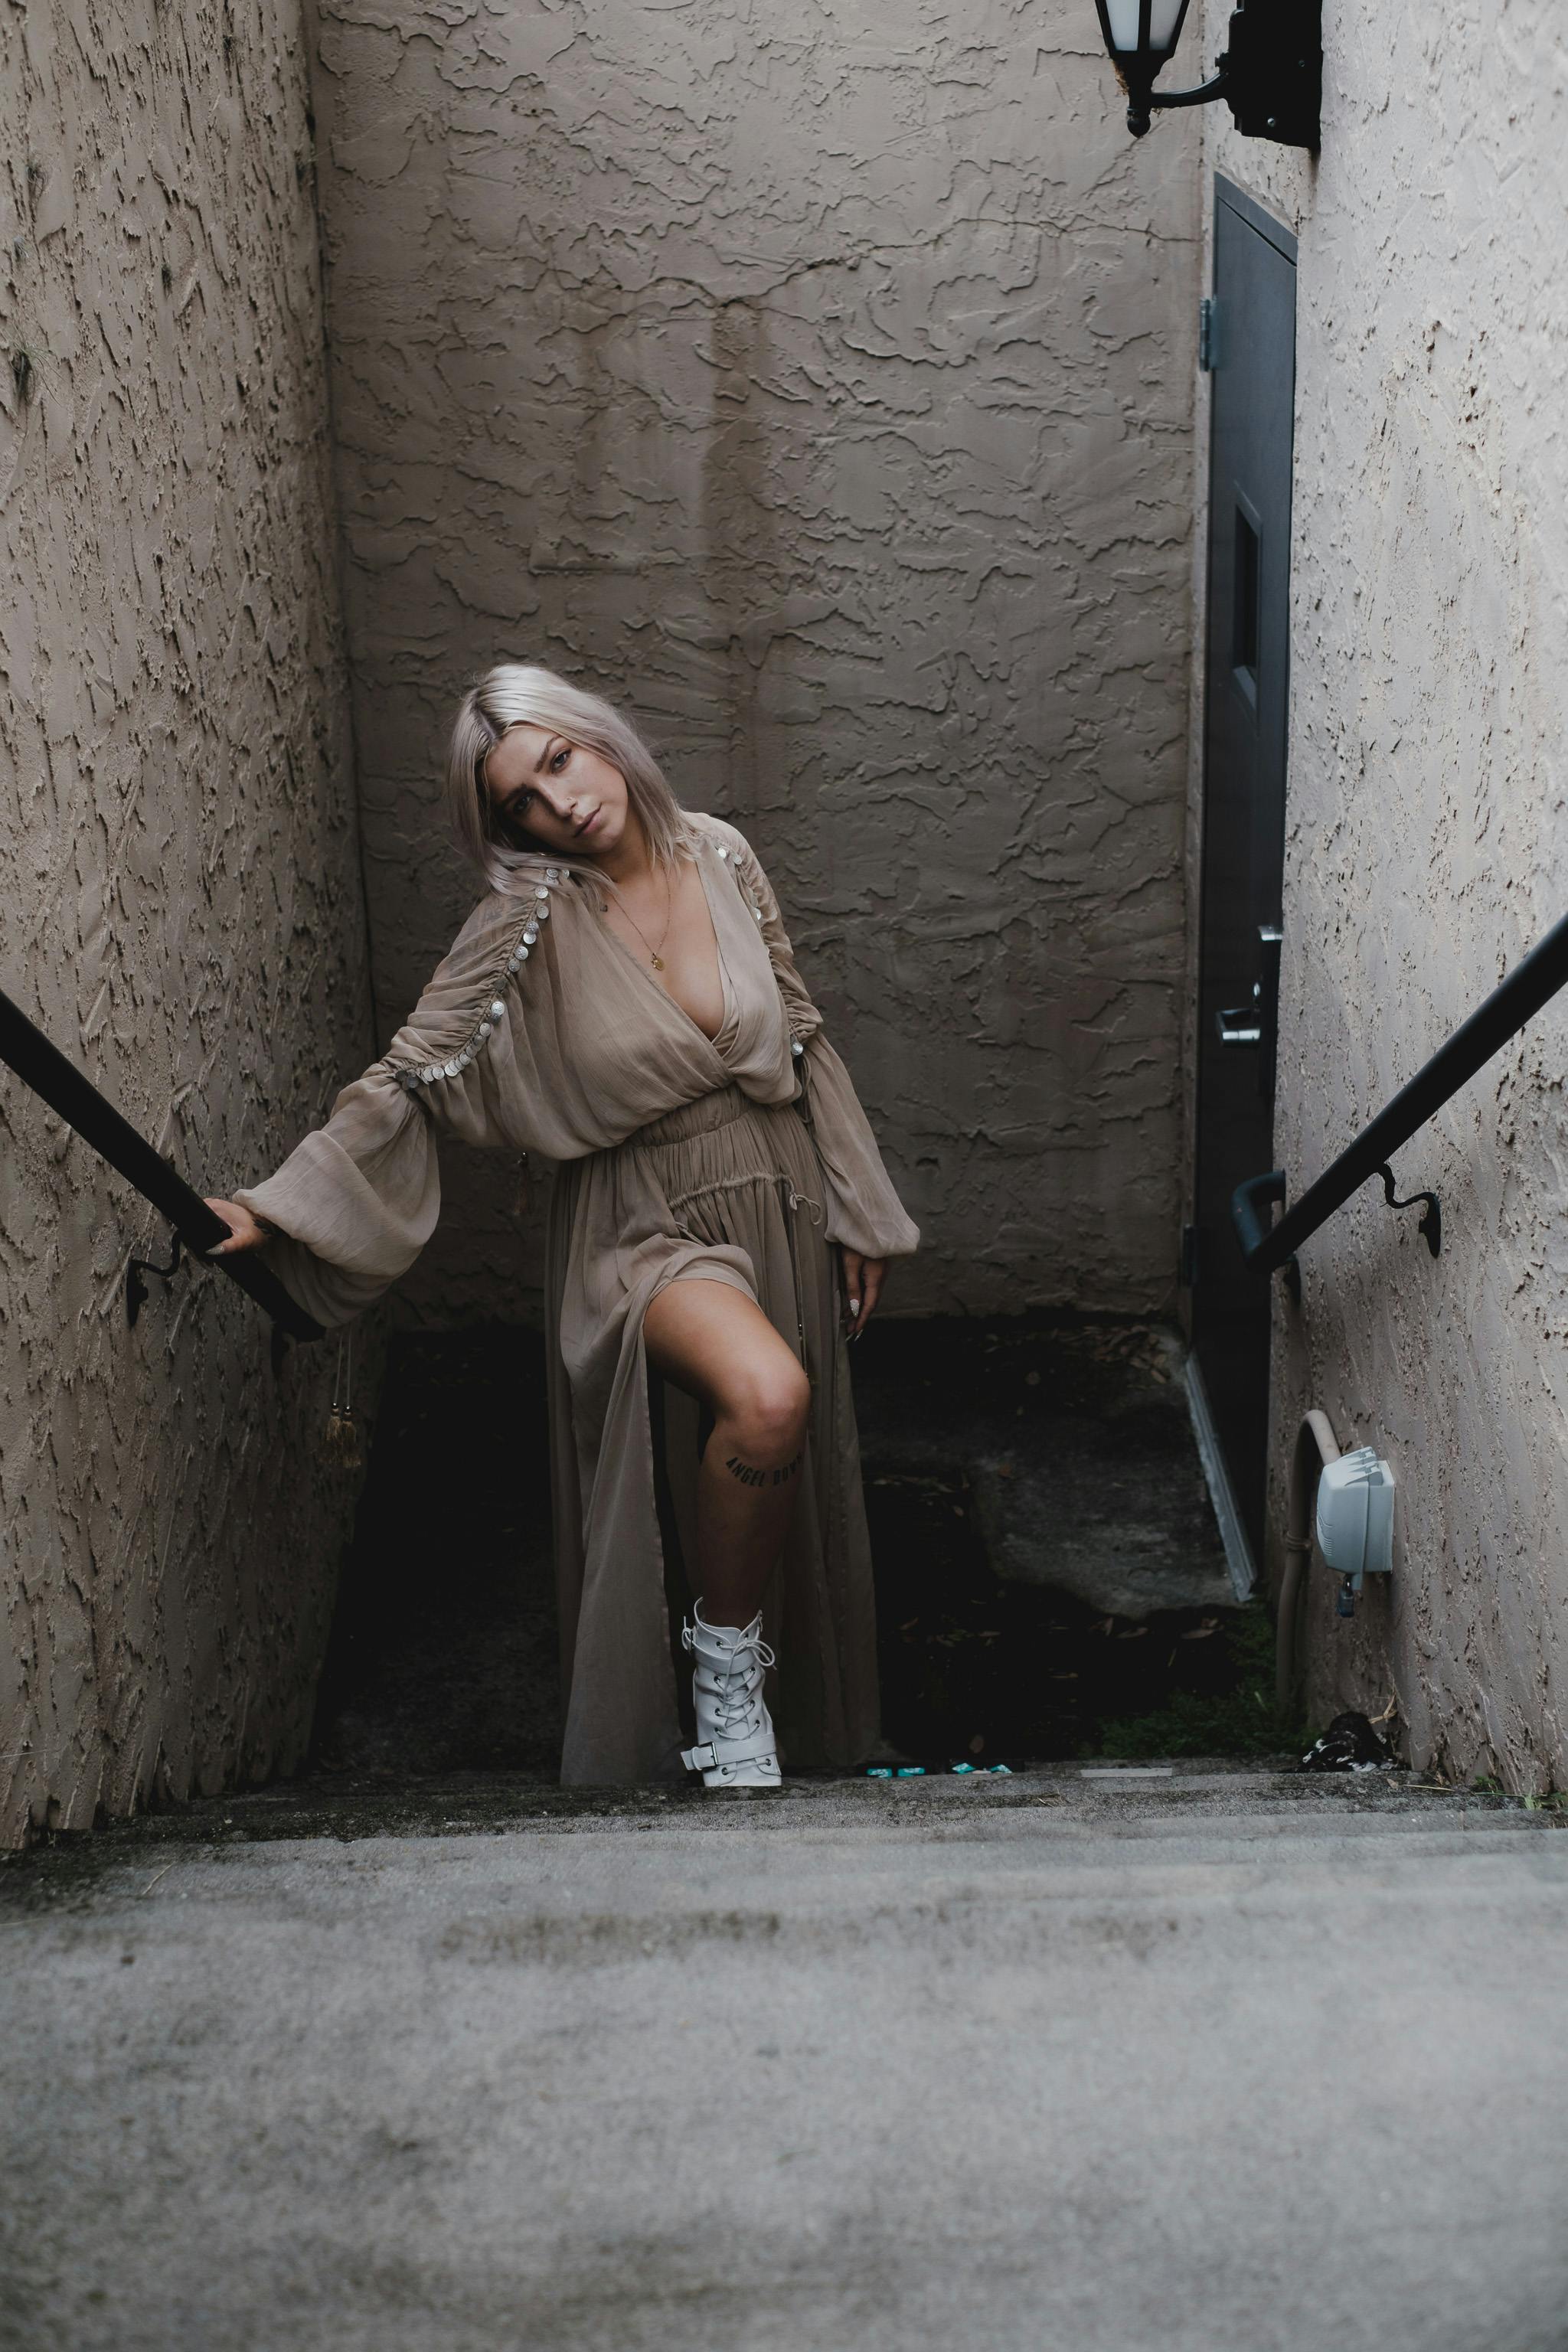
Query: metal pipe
[(42, 1066), (1315, 1445), (1527, 988)]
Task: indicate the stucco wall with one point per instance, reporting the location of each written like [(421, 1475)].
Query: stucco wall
[(1427, 844), (818, 382), (179, 871)]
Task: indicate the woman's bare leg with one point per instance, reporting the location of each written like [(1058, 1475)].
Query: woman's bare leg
[(714, 1342)]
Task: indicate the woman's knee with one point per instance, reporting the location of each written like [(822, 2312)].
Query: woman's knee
[(766, 1409)]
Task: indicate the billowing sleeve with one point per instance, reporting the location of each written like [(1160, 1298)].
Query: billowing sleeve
[(356, 1202), (864, 1212)]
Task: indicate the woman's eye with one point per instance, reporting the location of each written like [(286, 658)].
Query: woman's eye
[(560, 760)]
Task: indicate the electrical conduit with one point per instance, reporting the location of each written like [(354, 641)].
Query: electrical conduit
[(1315, 1445)]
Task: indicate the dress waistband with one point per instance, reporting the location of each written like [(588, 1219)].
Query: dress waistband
[(701, 1117)]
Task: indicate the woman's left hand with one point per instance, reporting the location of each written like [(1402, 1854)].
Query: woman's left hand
[(862, 1287)]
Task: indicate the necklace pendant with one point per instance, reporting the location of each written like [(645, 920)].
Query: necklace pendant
[(658, 963)]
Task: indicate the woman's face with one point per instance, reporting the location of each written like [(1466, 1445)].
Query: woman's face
[(563, 796)]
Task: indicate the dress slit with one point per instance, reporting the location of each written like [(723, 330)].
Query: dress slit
[(725, 1181)]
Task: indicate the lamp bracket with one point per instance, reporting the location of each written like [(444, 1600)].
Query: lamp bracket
[(1270, 75), (1198, 97), (1273, 69)]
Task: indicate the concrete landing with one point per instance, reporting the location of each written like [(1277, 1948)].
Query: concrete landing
[(1221, 2060), (1077, 1440)]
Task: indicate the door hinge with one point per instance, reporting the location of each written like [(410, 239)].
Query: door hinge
[(1206, 333), (1189, 1265)]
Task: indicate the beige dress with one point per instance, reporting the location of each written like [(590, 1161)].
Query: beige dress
[(741, 1159)]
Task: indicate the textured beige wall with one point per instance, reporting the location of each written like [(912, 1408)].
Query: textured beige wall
[(818, 380), (179, 874), (1427, 847)]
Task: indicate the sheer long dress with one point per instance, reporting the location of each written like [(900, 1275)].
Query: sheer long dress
[(741, 1159)]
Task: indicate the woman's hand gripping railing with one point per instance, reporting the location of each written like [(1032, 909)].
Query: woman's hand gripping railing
[(42, 1066)]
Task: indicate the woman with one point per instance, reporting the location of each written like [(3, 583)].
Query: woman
[(623, 1002)]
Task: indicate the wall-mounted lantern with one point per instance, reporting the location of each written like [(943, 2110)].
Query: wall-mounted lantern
[(1270, 76)]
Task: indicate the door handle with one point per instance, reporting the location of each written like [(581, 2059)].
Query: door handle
[(1270, 938), (1258, 1024), (1241, 1025)]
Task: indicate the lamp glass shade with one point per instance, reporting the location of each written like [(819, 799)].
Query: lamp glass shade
[(1165, 16)]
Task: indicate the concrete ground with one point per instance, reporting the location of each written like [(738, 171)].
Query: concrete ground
[(1222, 2058)]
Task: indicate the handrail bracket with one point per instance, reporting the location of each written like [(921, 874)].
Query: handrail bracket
[(1249, 1204), (136, 1288), (1431, 1225)]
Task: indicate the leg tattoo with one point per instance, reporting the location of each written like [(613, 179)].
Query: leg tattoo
[(750, 1476)]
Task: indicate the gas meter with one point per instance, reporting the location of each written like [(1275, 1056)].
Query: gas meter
[(1355, 1520)]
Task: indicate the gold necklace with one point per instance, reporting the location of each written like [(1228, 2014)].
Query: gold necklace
[(654, 955)]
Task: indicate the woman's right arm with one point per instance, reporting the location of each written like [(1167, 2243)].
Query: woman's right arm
[(354, 1203), (245, 1231)]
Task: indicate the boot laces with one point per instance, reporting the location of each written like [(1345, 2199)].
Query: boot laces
[(737, 1702)]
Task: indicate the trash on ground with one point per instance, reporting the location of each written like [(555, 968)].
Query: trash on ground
[(1349, 1745)]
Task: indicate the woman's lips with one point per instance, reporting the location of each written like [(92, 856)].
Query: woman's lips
[(588, 824)]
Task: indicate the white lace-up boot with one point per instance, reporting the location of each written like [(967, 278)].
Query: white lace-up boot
[(734, 1746)]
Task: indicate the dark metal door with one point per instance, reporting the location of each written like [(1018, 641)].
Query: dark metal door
[(1251, 338)]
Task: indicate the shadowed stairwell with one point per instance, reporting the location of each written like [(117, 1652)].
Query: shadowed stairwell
[(1050, 1580)]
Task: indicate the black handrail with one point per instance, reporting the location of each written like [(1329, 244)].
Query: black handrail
[(1527, 987), (42, 1065)]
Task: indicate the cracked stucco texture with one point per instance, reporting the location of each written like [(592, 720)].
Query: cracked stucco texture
[(818, 383), (178, 866), (1427, 845)]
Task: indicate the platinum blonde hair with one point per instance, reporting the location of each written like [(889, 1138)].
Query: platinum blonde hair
[(516, 693)]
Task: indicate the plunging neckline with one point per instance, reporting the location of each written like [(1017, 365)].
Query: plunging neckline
[(726, 992)]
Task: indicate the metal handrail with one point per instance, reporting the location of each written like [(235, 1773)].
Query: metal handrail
[(42, 1066), (1527, 987)]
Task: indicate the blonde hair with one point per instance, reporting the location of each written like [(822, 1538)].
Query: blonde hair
[(516, 693)]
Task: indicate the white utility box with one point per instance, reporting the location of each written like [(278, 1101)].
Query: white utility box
[(1355, 1515)]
